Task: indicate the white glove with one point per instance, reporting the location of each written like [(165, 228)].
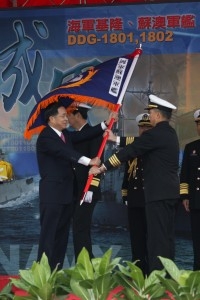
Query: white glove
[(88, 197)]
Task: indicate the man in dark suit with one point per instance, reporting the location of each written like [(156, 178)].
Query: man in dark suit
[(159, 149), (190, 189), (55, 160), (82, 216), (133, 197)]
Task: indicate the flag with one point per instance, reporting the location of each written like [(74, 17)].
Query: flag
[(135, 55), (99, 86)]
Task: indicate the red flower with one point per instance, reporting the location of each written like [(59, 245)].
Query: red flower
[(4, 280), (21, 293), (170, 296), (72, 297), (114, 292)]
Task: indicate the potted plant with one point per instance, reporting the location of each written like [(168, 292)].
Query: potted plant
[(39, 282), (93, 279), (102, 279)]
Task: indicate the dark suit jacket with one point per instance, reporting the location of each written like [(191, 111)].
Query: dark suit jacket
[(90, 149), (55, 160), (159, 149), (133, 183), (190, 174)]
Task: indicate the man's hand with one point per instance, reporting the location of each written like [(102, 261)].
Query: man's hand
[(95, 161), (111, 136), (186, 205), (94, 171), (112, 115)]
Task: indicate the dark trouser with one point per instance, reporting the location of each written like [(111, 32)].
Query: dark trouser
[(55, 224), (160, 229), (195, 221), (82, 219), (138, 236)]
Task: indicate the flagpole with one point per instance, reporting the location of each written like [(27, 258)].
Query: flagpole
[(135, 54)]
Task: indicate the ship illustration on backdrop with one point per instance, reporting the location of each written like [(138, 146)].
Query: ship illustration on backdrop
[(12, 188)]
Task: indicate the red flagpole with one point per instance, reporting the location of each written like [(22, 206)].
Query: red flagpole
[(135, 56)]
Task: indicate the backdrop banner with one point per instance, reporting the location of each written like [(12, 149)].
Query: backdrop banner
[(41, 49)]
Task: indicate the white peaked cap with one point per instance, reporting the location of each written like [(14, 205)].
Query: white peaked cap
[(156, 102), (84, 105), (143, 120), (197, 115)]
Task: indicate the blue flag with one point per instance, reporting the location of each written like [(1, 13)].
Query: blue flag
[(100, 86)]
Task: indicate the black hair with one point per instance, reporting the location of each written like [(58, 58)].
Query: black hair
[(82, 110), (166, 114), (52, 110)]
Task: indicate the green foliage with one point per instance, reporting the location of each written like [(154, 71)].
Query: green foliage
[(39, 282), (138, 287), (183, 284), (6, 293), (93, 279), (104, 278)]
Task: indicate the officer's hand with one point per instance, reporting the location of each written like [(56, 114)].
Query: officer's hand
[(111, 136), (186, 205), (95, 161), (94, 171), (112, 115)]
